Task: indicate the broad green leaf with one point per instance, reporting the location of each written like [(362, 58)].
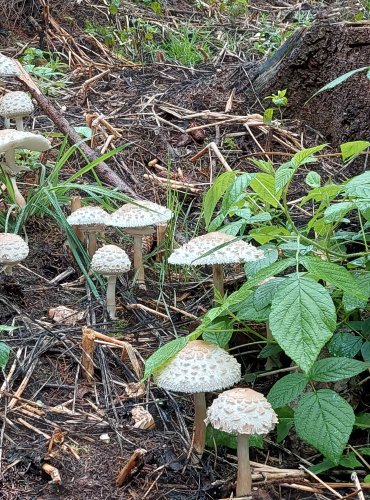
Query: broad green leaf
[(351, 149), (261, 217), (246, 311), (367, 479), (236, 189), (4, 355), (350, 302), (264, 185), (218, 333), (339, 80), (292, 247), (323, 466), (214, 194), (215, 437), (333, 273), (287, 389), (320, 227), (334, 369), (286, 422), (283, 176), (364, 207), (325, 420), (348, 461), (365, 351), (265, 166), (363, 421), (163, 355), (269, 351), (264, 294), (305, 156), (313, 179), (324, 193), (268, 115), (345, 344), (271, 255), (302, 319), (336, 212), (265, 234), (364, 451), (233, 228), (358, 186)]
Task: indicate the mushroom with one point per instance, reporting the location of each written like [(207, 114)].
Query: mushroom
[(233, 251), (8, 67), (198, 368), (138, 220), (15, 105), (90, 220), (10, 140), (242, 412), (13, 249), (111, 261)]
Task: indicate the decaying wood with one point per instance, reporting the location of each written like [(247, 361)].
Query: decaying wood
[(134, 462), (53, 473), (87, 359)]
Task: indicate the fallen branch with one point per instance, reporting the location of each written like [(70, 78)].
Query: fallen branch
[(134, 462)]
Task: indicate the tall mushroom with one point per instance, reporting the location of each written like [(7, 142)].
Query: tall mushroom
[(15, 105), (10, 140), (111, 261), (90, 220), (242, 412), (224, 248), (138, 220), (198, 368), (13, 249)]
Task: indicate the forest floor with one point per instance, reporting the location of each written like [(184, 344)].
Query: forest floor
[(148, 99)]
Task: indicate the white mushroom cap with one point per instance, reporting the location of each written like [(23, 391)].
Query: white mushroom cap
[(144, 213), (242, 411), (237, 251), (13, 249), (110, 260), (15, 139), (199, 367), (16, 104), (86, 217), (8, 67)]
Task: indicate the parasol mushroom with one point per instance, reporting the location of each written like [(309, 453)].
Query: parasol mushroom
[(13, 249), (90, 220), (15, 105)]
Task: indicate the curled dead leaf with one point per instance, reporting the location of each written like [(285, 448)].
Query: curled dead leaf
[(142, 418), (65, 316)]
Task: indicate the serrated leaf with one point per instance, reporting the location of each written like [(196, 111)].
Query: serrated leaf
[(4, 355), (313, 179), (264, 294), (351, 149), (324, 193), (271, 255), (358, 186), (283, 176), (264, 185), (218, 333), (269, 351), (286, 422), (246, 311), (214, 194), (261, 217), (164, 354), (292, 247), (324, 420), (365, 350), (264, 234), (305, 156), (265, 166), (333, 273), (334, 369), (336, 212), (221, 438), (349, 301), (236, 189), (302, 319), (345, 344), (287, 389)]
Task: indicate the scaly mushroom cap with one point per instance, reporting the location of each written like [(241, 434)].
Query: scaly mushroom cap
[(237, 251), (242, 411), (145, 213), (16, 104), (89, 218), (13, 249), (199, 367), (110, 260), (8, 67), (15, 139)]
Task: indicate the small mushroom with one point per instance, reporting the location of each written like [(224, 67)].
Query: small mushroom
[(233, 251), (10, 140), (198, 368), (15, 105), (90, 220), (8, 67), (242, 412), (111, 261), (13, 249), (138, 220)]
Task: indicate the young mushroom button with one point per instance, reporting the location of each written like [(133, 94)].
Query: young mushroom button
[(221, 248), (198, 368), (90, 220), (15, 105), (242, 412), (138, 220), (13, 249), (111, 261)]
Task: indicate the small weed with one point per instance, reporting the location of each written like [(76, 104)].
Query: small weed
[(188, 47)]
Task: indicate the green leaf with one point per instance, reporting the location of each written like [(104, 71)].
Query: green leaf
[(221, 438), (269, 351), (349, 301), (348, 461), (351, 149), (286, 422), (324, 420), (4, 355), (324, 193), (287, 389), (218, 333), (264, 294), (363, 421), (214, 194), (358, 186), (333, 273), (334, 369), (367, 479), (338, 81), (271, 255), (264, 234), (302, 319), (164, 354), (365, 350), (313, 179), (265, 166), (305, 156), (323, 466), (345, 344), (336, 212), (283, 176), (268, 115), (236, 189), (264, 185), (246, 311)]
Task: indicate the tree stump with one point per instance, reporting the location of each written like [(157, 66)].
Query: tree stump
[(311, 58)]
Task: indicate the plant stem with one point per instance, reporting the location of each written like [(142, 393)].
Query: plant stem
[(111, 296), (244, 481), (199, 440), (218, 278)]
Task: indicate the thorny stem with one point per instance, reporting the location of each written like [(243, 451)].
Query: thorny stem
[(111, 296), (244, 481), (200, 409)]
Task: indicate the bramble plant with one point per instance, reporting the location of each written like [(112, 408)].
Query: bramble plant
[(312, 289)]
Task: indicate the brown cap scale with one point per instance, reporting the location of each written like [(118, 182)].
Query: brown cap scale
[(15, 105), (242, 412), (198, 368), (13, 249)]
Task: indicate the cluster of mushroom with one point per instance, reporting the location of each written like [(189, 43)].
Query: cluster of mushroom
[(204, 367)]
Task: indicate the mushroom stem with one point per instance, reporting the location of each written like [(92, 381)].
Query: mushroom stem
[(91, 245), (111, 296), (6, 123), (19, 123), (244, 481), (75, 205), (161, 236), (18, 197), (218, 278), (200, 408), (138, 258), (8, 270)]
